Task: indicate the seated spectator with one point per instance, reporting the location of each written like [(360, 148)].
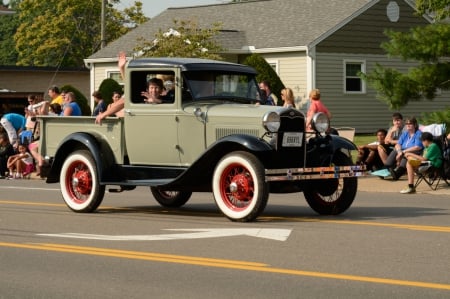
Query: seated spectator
[(54, 109), (70, 107), (368, 153), (409, 142), (392, 136), (432, 155), (20, 164), (6, 150)]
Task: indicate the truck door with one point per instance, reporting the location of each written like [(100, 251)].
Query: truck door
[(151, 129)]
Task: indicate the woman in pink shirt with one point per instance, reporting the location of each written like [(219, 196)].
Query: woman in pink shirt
[(315, 106)]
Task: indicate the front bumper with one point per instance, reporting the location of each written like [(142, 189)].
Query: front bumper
[(312, 173)]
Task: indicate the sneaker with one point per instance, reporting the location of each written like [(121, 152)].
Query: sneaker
[(408, 190), (394, 174)]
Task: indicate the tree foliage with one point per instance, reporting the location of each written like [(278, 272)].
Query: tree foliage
[(186, 39), (64, 32), (8, 26), (428, 46), (265, 72)]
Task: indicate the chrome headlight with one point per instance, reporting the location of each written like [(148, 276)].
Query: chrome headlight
[(271, 121), (320, 122)]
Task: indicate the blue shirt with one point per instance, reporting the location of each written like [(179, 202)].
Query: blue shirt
[(76, 110), (407, 141), (17, 121)]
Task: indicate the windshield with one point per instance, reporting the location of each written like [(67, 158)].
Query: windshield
[(221, 85)]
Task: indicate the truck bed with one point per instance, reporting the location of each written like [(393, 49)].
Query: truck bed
[(55, 128)]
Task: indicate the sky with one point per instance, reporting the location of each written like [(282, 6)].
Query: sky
[(152, 8)]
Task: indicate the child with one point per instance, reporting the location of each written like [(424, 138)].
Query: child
[(20, 164), (432, 154)]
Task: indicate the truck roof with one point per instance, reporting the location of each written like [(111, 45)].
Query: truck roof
[(191, 64)]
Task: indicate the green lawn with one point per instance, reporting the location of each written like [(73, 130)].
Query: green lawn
[(364, 139)]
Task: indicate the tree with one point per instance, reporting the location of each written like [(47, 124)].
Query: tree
[(64, 32), (186, 39), (8, 26), (265, 72), (428, 46)]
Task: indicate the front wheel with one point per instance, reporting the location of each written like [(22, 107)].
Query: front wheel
[(239, 187), (79, 182), (332, 196), (170, 199)]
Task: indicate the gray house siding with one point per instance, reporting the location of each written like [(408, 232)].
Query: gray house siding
[(365, 33), (363, 111)]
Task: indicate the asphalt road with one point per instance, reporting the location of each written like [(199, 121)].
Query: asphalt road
[(386, 245)]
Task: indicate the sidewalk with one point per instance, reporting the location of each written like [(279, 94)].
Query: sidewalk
[(375, 184)]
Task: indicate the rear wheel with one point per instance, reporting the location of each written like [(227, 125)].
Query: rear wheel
[(239, 187), (170, 199), (332, 196), (79, 182)]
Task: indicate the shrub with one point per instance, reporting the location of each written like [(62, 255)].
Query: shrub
[(266, 72), (107, 87)]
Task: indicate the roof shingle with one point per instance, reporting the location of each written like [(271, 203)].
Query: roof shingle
[(261, 24)]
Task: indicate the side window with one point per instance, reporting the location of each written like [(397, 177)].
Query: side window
[(352, 82), (141, 80)]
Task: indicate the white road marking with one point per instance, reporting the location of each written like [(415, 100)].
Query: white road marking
[(265, 233)]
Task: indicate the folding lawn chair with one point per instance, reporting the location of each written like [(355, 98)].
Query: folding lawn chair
[(432, 176)]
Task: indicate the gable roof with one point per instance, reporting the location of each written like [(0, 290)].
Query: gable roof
[(262, 24)]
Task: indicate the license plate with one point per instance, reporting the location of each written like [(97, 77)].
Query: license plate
[(292, 139)]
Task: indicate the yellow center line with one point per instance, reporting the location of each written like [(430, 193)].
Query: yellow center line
[(218, 263), (27, 203)]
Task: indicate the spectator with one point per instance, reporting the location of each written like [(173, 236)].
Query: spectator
[(368, 153), (55, 95), (432, 155), (287, 95), (271, 98), (20, 164), (409, 142), (71, 107), (54, 109), (392, 136), (6, 150), (315, 106), (13, 124)]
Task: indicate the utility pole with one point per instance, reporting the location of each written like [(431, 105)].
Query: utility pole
[(103, 25)]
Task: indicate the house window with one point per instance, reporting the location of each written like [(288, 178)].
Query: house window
[(115, 76), (352, 82), (274, 64)]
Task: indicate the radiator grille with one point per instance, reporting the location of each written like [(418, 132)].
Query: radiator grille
[(222, 132)]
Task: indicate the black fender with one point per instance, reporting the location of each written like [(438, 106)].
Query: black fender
[(99, 149), (342, 143), (199, 174)]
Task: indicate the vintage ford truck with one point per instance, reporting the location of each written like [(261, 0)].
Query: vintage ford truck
[(209, 134)]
